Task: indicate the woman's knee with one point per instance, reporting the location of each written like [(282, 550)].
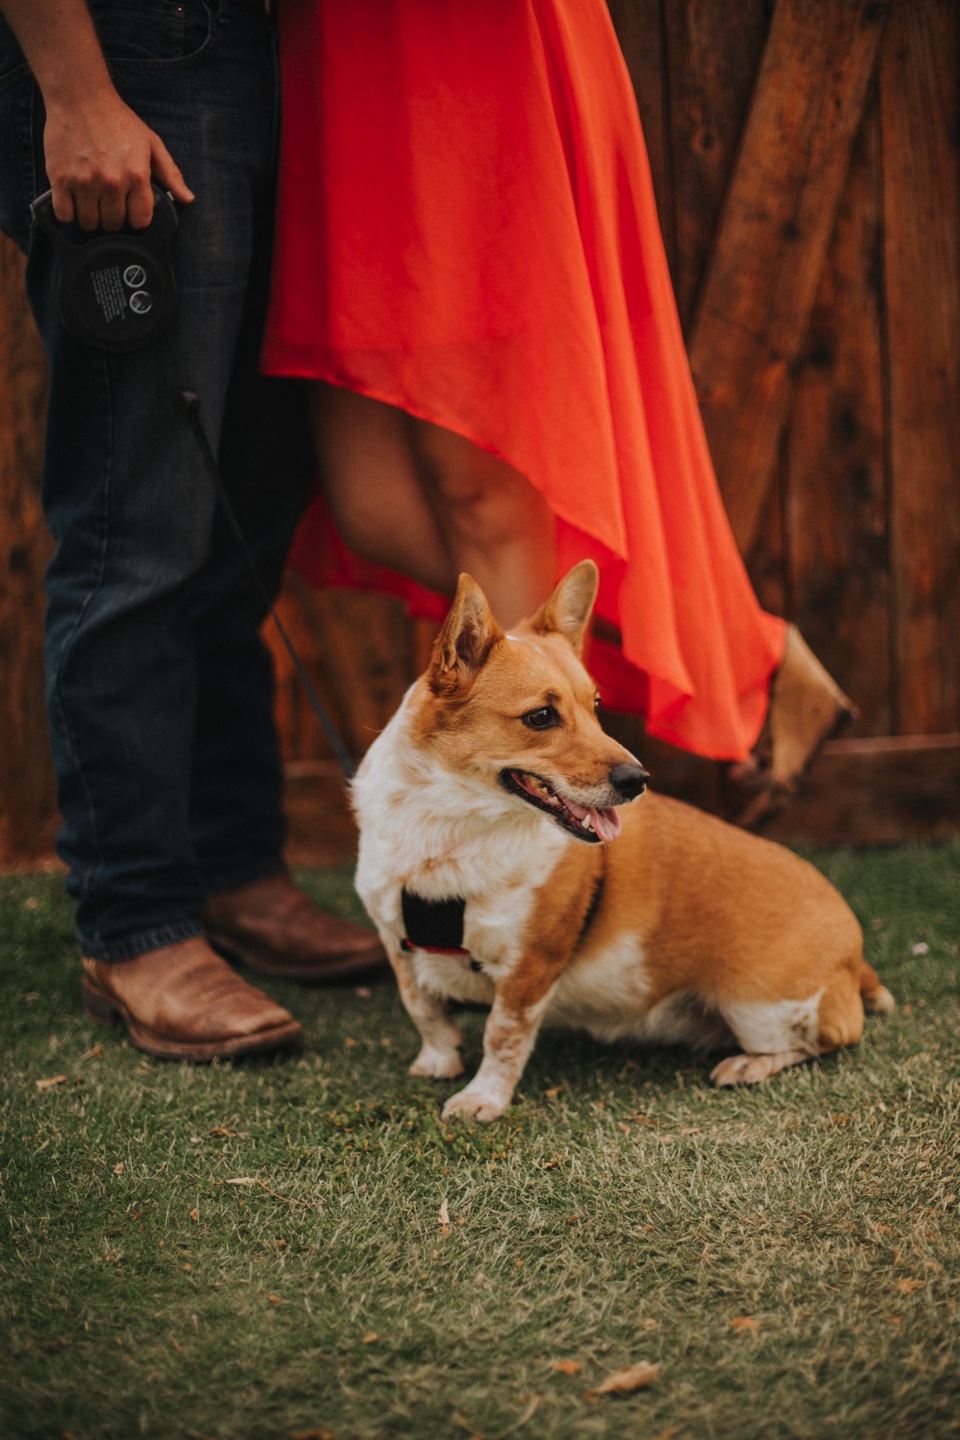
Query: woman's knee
[(482, 501)]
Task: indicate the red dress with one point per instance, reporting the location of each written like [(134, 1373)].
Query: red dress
[(466, 229)]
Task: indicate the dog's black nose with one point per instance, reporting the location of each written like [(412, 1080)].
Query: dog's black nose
[(630, 780)]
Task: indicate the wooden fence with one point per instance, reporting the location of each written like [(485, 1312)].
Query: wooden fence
[(805, 160)]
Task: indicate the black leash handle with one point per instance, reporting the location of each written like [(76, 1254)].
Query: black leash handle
[(190, 402)]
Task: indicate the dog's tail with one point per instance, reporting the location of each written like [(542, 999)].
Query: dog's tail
[(876, 997)]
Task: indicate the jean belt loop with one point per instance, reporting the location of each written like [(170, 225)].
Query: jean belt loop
[(224, 16)]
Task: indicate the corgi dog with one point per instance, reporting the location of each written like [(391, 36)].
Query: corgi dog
[(509, 855)]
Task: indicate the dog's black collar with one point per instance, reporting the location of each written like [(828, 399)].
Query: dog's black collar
[(433, 925)]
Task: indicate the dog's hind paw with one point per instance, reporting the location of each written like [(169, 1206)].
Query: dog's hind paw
[(752, 1069), (879, 1002), (437, 1064), (472, 1105)]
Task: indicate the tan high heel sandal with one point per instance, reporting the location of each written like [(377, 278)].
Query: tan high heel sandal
[(807, 707)]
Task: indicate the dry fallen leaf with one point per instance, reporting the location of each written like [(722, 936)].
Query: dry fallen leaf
[(49, 1084), (274, 1299), (667, 1434), (745, 1322), (907, 1286), (194, 1214), (623, 1382), (369, 1339), (568, 1367), (118, 1168), (553, 1092), (443, 1218), (362, 992), (220, 1132), (177, 1346), (319, 1432), (894, 1319)]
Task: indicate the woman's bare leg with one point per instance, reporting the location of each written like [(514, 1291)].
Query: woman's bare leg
[(496, 525), (419, 499), (374, 488)]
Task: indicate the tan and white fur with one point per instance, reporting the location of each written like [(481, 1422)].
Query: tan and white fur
[(493, 783)]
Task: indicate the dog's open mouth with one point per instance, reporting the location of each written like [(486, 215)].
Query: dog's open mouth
[(589, 823)]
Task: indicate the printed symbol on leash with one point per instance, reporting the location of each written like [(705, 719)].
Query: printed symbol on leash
[(135, 276), (140, 302)]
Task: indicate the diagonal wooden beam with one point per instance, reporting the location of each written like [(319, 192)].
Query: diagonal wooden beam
[(772, 239)]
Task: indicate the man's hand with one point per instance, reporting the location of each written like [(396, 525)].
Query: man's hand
[(100, 159), (100, 156)]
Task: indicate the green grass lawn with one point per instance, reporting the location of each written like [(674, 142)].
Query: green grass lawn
[(622, 1211)]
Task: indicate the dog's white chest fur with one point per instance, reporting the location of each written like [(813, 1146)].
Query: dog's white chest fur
[(442, 836)]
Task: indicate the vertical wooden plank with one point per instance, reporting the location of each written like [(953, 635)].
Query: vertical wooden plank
[(920, 110), (766, 563), (302, 736), (365, 644), (836, 484), (27, 801), (640, 30), (713, 54), (773, 235)]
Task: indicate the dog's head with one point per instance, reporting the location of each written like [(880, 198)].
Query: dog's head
[(518, 711)]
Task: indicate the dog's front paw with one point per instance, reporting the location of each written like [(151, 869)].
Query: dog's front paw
[(437, 1064), (473, 1105)]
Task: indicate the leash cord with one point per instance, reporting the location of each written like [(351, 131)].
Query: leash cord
[(190, 403)]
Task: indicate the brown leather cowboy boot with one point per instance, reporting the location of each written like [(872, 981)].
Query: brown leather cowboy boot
[(276, 929), (184, 1002)]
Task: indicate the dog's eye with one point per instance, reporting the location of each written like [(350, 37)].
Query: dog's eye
[(543, 719), (596, 702)]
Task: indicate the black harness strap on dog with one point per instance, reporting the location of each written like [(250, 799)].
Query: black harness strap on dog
[(592, 909), (433, 925)]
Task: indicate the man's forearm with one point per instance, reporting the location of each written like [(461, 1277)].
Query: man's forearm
[(60, 43), (100, 156)]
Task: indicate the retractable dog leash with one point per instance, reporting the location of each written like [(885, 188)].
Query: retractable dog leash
[(117, 292)]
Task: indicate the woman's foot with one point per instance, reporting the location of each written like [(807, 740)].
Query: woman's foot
[(807, 707)]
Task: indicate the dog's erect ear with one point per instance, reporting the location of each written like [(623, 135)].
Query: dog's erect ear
[(468, 635), (569, 608)]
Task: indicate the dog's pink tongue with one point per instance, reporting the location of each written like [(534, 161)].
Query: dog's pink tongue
[(606, 823)]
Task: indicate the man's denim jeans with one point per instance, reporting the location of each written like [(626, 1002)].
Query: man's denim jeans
[(159, 688)]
